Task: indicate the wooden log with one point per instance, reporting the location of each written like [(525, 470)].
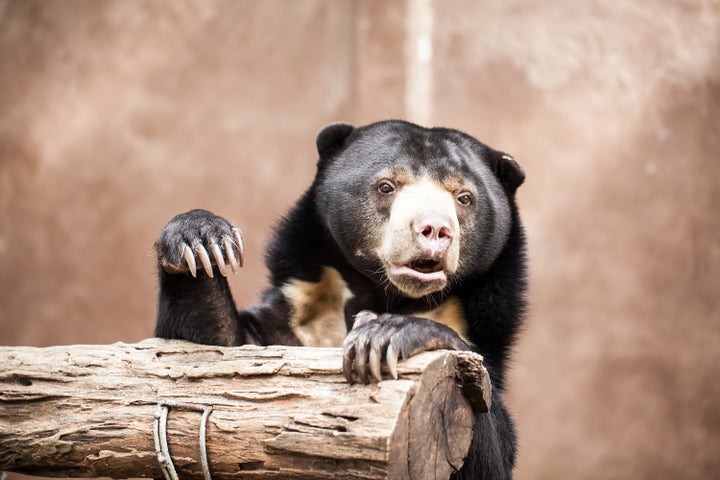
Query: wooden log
[(277, 412)]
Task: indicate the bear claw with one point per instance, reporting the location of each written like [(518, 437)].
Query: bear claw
[(219, 260), (240, 246), (234, 265), (204, 258), (190, 260), (392, 355)]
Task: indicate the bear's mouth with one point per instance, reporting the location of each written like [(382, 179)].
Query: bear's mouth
[(418, 277), (426, 265), (420, 270)]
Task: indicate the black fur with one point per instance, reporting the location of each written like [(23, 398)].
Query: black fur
[(326, 228)]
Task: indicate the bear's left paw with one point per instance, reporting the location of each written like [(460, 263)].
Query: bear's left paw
[(388, 337)]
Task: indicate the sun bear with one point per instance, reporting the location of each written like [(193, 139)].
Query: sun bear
[(408, 239)]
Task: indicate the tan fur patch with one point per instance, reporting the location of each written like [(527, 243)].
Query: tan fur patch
[(455, 185), (317, 309), (450, 313), (399, 175)]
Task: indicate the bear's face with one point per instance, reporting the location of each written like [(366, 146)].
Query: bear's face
[(413, 209)]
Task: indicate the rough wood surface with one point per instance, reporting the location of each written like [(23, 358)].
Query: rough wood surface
[(278, 412)]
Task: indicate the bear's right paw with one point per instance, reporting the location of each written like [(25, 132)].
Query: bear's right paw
[(200, 235)]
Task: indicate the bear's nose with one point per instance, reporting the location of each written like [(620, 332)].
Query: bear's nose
[(433, 234)]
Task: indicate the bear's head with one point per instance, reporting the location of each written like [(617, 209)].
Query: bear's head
[(414, 209)]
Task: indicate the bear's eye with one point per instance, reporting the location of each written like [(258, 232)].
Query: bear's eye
[(464, 199), (385, 187)]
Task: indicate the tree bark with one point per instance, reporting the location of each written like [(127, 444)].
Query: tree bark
[(277, 412)]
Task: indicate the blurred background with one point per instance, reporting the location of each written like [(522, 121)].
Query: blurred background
[(116, 115)]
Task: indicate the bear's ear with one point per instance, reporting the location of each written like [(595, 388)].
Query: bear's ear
[(509, 171), (331, 139)]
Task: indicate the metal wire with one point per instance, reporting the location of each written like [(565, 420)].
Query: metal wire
[(160, 436)]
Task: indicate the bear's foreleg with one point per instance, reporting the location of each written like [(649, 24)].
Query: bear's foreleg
[(493, 449), (195, 251)]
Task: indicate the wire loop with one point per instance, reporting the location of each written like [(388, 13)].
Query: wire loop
[(160, 435)]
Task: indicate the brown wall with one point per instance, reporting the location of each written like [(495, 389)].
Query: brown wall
[(115, 115)]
